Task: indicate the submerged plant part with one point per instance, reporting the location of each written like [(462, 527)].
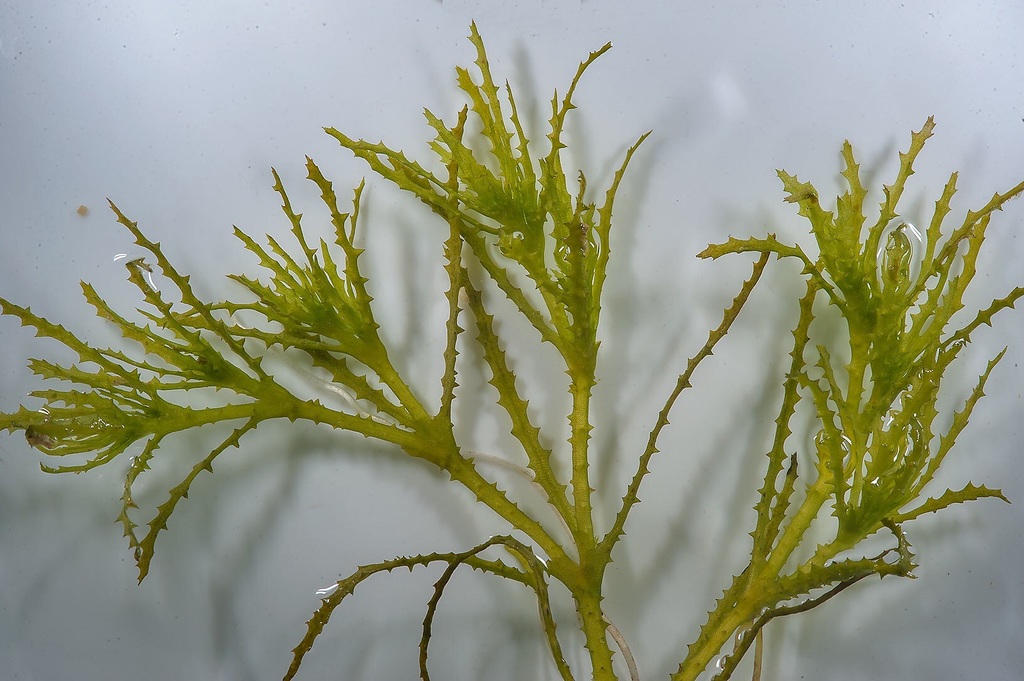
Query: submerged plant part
[(878, 444), (518, 223)]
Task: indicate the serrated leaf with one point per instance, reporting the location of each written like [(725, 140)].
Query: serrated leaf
[(969, 492)]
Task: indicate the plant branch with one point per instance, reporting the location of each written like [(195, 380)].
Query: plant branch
[(682, 383)]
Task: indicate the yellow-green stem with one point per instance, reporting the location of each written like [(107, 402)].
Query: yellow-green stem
[(579, 440), (817, 495), (593, 625), (730, 616)]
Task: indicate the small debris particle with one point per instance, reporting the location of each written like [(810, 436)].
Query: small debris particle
[(39, 440), (82, 210)]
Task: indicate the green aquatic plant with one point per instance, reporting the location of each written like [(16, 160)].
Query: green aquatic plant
[(518, 223)]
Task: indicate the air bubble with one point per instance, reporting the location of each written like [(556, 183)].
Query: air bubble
[(327, 590), (900, 258), (563, 251), (956, 346), (897, 406), (140, 264), (512, 244)]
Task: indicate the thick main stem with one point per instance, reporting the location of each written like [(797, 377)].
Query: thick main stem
[(587, 592), (594, 627), (579, 441)]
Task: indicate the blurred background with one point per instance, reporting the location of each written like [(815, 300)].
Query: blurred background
[(177, 112)]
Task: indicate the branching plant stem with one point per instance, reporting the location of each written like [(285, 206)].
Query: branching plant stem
[(518, 224)]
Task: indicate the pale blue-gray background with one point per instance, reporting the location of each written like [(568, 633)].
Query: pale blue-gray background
[(177, 111)]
